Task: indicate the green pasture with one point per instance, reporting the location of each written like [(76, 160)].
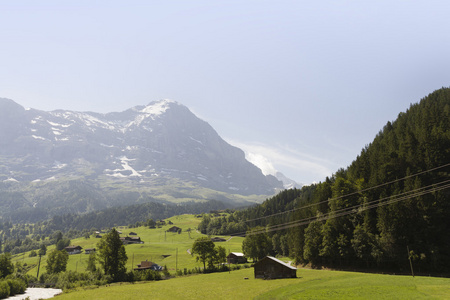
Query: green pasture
[(164, 248), (310, 284)]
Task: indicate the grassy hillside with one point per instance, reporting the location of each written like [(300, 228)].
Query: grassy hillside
[(311, 284), (159, 246)]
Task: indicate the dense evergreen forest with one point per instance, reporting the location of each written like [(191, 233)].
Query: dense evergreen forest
[(390, 205)]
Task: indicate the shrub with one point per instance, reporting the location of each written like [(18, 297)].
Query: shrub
[(16, 286), (4, 289)]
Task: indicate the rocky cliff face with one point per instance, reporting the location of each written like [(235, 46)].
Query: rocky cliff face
[(144, 145)]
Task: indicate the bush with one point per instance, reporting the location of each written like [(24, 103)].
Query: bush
[(16, 286), (4, 289), (143, 275)]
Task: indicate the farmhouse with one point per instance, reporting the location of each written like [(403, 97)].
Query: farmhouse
[(148, 265), (236, 258), (73, 249), (89, 250), (131, 240), (132, 233), (174, 229), (218, 239), (271, 268)]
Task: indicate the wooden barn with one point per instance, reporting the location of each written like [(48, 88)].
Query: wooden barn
[(73, 249), (89, 250), (218, 239), (148, 265), (236, 258), (271, 268), (174, 229)]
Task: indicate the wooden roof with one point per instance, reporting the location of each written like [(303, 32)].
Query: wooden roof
[(278, 261)]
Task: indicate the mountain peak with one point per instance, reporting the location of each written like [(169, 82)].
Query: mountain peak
[(142, 147)]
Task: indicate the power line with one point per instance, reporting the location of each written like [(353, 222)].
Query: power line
[(352, 210), (340, 197), (351, 194)]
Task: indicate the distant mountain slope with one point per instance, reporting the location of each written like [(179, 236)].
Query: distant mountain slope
[(158, 149)]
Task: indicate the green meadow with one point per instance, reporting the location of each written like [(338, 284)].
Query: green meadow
[(310, 284), (171, 250), (164, 248)]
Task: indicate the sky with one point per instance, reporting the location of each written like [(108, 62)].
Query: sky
[(300, 86)]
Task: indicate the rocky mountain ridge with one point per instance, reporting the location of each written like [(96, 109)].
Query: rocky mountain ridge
[(160, 148)]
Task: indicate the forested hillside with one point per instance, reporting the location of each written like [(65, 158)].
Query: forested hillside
[(393, 198)]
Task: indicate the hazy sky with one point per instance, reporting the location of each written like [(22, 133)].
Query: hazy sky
[(302, 86)]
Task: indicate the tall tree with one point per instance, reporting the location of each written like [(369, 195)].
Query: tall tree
[(6, 266), (204, 248), (91, 267), (57, 261), (112, 255), (257, 244)]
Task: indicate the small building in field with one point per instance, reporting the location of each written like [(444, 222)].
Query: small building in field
[(73, 249), (89, 250), (271, 268), (236, 258), (174, 229), (148, 265), (132, 233), (218, 239), (131, 240)]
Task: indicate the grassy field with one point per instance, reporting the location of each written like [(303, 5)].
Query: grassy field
[(311, 284), (171, 249), (164, 248)]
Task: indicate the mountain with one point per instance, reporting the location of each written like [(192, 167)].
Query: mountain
[(158, 150), (287, 182)]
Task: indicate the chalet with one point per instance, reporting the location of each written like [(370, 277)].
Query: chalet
[(131, 240), (73, 249), (271, 268), (236, 258), (148, 265), (98, 236), (132, 233), (218, 239), (89, 250), (174, 229)]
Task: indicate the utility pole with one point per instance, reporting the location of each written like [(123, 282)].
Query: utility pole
[(410, 262), (228, 262), (176, 262), (39, 265)]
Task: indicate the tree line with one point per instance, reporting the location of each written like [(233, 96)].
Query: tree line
[(390, 205), (22, 237)]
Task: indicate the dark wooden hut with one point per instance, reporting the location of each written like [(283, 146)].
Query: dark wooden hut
[(271, 268), (236, 258)]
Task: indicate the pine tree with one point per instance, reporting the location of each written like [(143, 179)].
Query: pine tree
[(112, 255)]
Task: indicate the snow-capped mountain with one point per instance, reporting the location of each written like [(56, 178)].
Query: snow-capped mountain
[(143, 146), (287, 182)]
